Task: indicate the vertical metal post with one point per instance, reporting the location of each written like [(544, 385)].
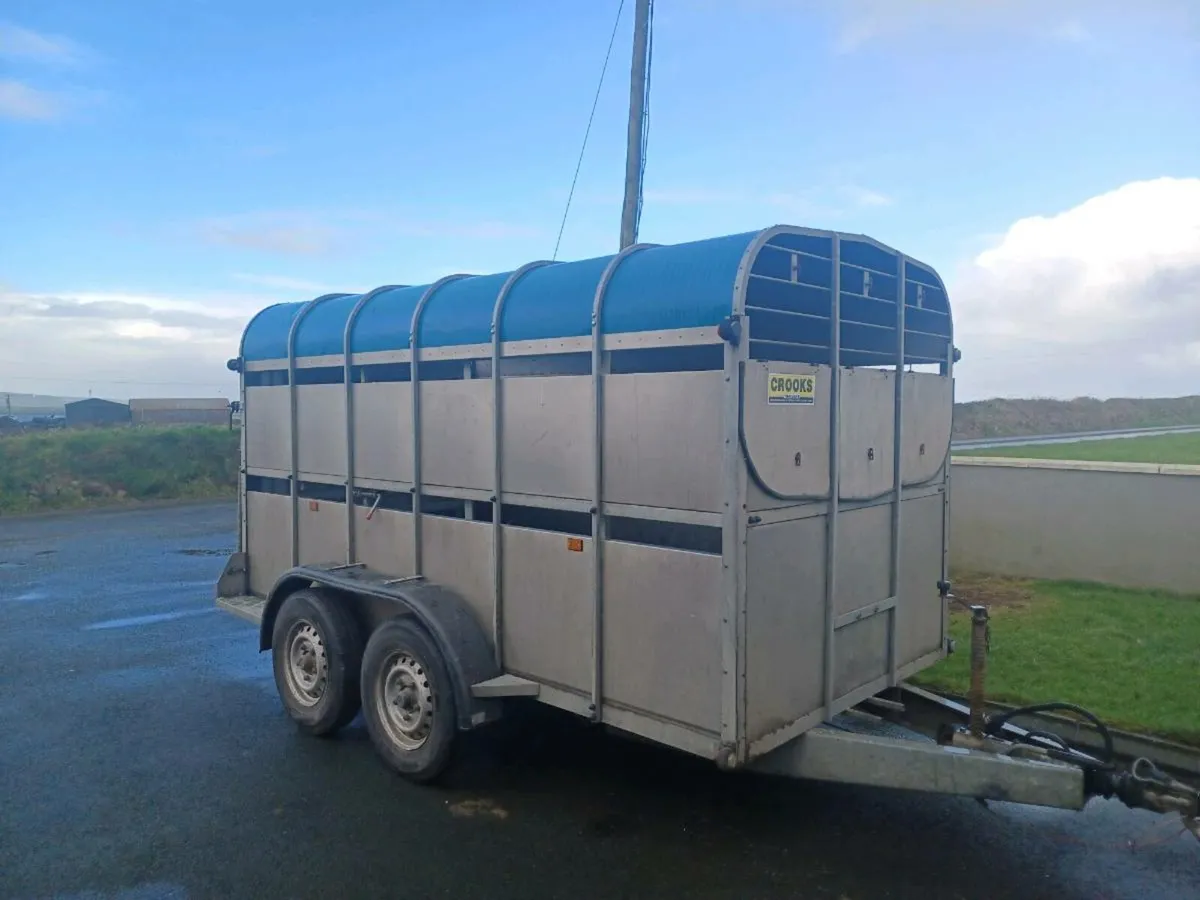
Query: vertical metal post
[(243, 512), (599, 366), (897, 474), (498, 456), (979, 651), (947, 368), (637, 110), (348, 383), (294, 417), (835, 462), (414, 358)]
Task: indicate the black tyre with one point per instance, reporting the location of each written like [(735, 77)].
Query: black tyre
[(316, 648), (408, 700)]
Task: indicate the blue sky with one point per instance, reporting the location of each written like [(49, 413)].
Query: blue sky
[(196, 160)]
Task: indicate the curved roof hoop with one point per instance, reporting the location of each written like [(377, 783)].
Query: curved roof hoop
[(497, 454), (293, 415), (348, 382), (414, 345), (598, 474)]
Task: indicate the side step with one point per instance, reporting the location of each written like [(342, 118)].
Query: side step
[(249, 608), (506, 686)]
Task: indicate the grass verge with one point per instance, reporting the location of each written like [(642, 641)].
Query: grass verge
[(1172, 449), (1131, 657), (74, 469)]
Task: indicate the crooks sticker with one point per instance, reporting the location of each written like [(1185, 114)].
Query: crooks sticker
[(798, 390)]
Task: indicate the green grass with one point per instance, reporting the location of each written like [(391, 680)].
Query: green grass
[(1131, 657), (1179, 449), (70, 469)]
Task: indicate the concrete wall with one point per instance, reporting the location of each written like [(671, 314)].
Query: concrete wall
[(1123, 523)]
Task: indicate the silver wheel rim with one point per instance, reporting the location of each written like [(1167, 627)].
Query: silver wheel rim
[(307, 663), (404, 700)]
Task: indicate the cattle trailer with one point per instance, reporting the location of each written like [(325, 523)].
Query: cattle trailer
[(697, 493)]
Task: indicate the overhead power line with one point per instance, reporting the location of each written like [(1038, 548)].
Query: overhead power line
[(587, 132)]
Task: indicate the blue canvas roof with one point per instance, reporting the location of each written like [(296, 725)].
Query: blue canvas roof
[(657, 288)]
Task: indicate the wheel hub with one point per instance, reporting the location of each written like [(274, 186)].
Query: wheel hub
[(307, 663), (405, 700)]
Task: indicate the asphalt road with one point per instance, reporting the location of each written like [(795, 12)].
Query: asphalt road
[(143, 754)]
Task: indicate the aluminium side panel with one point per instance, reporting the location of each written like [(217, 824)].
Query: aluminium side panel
[(663, 440), (662, 619), (547, 607), (267, 419), (919, 628), (384, 539), (456, 434), (787, 442), (785, 623), (322, 531), (269, 542), (382, 431), (320, 409), (867, 433), (457, 553), (928, 417), (548, 436)]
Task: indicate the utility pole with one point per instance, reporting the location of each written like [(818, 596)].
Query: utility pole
[(635, 150)]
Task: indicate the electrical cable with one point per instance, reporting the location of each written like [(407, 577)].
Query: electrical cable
[(588, 130), (997, 722)]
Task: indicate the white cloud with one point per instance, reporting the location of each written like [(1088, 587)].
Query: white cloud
[(289, 234), (872, 23), (1102, 299), (863, 196), (284, 283), (23, 44), (19, 100), (121, 345)]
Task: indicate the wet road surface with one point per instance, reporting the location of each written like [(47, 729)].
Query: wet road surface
[(144, 754)]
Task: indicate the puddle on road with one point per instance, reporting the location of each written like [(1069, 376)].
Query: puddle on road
[(134, 621), (5, 565), (25, 597), (193, 551)]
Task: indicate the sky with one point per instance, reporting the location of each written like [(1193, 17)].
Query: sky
[(168, 169)]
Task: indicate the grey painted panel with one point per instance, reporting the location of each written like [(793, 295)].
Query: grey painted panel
[(864, 553), (457, 553), (270, 546), (548, 435), (867, 403), (320, 408), (382, 429), (1128, 528), (385, 542), (547, 607), (777, 432), (456, 433), (268, 428), (860, 654), (919, 615), (663, 440), (928, 413), (661, 632), (785, 572), (322, 532)]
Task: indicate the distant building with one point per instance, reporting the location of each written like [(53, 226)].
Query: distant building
[(183, 411), (94, 412)]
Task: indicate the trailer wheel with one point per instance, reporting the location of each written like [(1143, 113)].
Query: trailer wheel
[(316, 649), (408, 700)]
